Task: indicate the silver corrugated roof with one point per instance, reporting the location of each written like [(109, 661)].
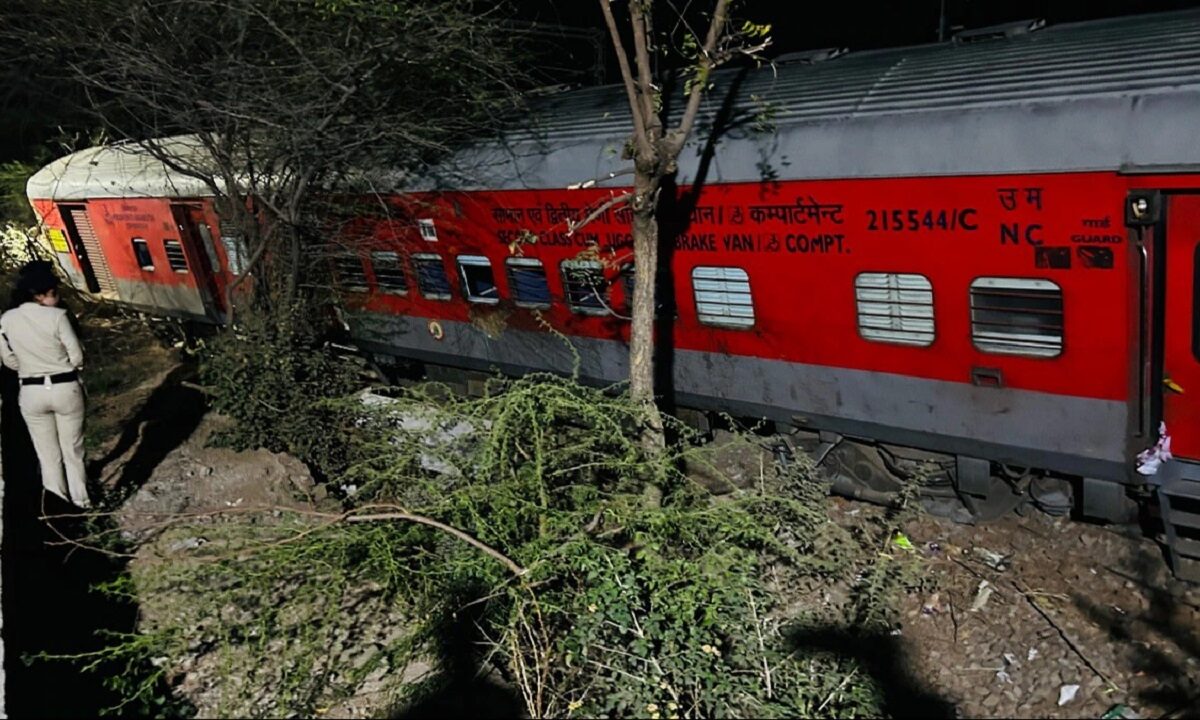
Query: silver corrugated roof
[(1121, 56)]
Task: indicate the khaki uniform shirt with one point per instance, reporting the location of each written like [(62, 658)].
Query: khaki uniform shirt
[(39, 340)]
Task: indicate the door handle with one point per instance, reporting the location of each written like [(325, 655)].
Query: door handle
[(987, 377), (1171, 385)]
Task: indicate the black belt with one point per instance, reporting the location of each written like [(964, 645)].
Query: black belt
[(59, 378)]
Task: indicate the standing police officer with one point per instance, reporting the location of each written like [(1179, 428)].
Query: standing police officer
[(39, 343)]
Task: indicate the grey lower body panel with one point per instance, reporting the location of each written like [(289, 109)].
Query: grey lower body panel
[(1070, 434)]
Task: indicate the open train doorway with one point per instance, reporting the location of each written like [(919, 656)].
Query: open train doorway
[(197, 239), (85, 244)]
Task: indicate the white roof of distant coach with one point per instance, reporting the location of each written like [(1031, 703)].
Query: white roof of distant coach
[(125, 170)]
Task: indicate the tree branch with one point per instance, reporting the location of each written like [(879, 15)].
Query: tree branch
[(641, 47), (707, 63), (639, 122), (422, 520), (573, 225)]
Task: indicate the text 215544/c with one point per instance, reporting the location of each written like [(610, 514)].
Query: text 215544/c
[(912, 220)]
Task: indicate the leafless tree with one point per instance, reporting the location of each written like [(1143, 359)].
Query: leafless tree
[(655, 146), (283, 104)]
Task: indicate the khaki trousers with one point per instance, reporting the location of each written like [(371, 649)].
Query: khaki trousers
[(54, 416)]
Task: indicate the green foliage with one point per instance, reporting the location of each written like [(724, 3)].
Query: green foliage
[(270, 374), (622, 608), (14, 206)]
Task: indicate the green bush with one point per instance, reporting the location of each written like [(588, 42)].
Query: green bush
[(271, 374), (592, 601)]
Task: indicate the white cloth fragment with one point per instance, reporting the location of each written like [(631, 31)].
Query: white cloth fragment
[(1151, 459)]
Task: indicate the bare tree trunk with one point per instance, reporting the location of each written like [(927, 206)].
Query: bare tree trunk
[(645, 253)]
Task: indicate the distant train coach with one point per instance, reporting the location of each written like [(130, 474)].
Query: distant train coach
[(985, 251)]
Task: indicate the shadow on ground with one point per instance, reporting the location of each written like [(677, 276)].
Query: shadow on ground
[(883, 658), (50, 605), (1168, 619)]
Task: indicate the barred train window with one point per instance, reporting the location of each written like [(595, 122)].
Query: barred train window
[(527, 281), (175, 256), (478, 281), (431, 276), (723, 296), (141, 251), (1017, 316), (895, 308), (350, 271), (583, 283), (389, 273)]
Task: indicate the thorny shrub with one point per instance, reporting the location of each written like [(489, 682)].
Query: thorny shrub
[(620, 607), (270, 374)]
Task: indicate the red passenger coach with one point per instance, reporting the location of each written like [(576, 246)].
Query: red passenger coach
[(986, 250)]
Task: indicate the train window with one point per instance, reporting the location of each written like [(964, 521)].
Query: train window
[(428, 229), (583, 284), (141, 251), (478, 281), (895, 308), (233, 251), (1017, 316), (431, 276), (389, 273), (175, 257), (350, 272), (664, 304), (723, 296), (527, 279)]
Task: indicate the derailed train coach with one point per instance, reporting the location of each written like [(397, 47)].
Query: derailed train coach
[(986, 250)]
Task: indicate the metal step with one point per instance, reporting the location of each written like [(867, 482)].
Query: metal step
[(1182, 488), (1185, 551)]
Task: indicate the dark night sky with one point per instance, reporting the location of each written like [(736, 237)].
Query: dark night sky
[(27, 117), (864, 24)]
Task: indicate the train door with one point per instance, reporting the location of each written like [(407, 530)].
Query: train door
[(1181, 328), (85, 244), (197, 239)]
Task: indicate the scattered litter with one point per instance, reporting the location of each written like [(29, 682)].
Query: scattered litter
[(901, 541), (895, 633), (1066, 694), (933, 605), (1003, 676), (1010, 658), (992, 559), (1119, 610), (1120, 712), (1150, 459), (350, 489), (1031, 655), (186, 544), (981, 596), (233, 503), (853, 512), (933, 548)]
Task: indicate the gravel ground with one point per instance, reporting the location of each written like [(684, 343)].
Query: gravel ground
[(1071, 604)]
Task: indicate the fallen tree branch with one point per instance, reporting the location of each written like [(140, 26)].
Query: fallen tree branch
[(468, 539)]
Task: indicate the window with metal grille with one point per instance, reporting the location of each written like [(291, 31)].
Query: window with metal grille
[(895, 308), (583, 285), (389, 273), (664, 303), (527, 282), (431, 276), (1017, 316), (141, 251), (477, 279), (175, 257), (723, 296), (350, 272)]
